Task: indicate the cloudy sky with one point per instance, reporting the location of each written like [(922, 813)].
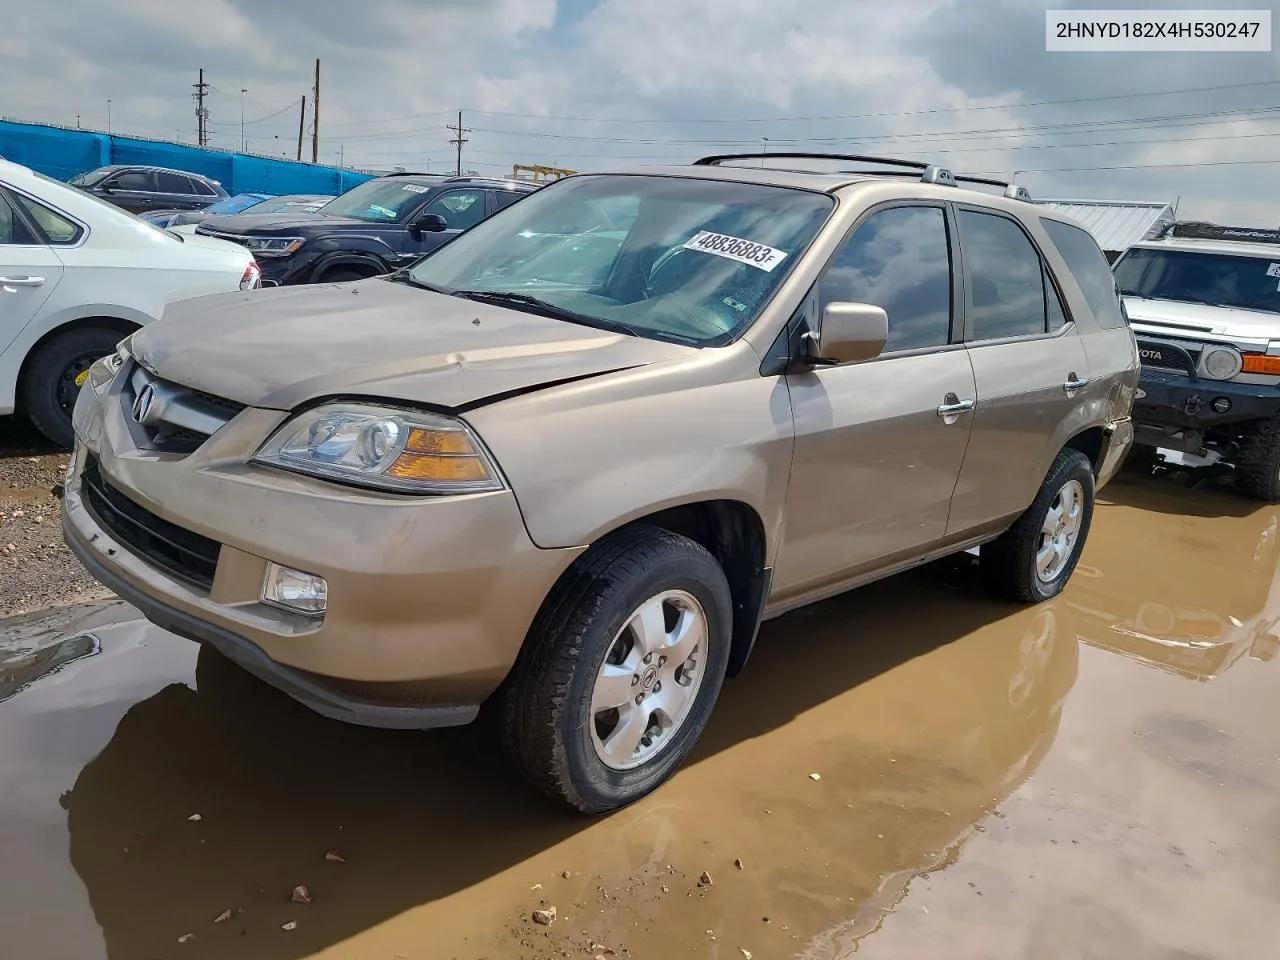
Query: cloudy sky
[(594, 83)]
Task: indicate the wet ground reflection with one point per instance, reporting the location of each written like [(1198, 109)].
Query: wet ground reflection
[(984, 781)]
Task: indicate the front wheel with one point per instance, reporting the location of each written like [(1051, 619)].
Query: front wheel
[(620, 671), (1032, 561), (1257, 460)]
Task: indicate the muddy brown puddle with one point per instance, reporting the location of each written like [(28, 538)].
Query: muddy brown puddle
[(1096, 777)]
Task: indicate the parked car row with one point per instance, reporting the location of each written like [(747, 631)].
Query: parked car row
[(76, 276), (568, 461), (256, 204)]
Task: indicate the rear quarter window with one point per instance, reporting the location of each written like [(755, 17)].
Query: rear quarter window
[(1089, 265)]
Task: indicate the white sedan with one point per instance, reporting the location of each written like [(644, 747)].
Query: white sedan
[(77, 275)]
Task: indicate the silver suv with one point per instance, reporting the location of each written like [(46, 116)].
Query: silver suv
[(570, 460)]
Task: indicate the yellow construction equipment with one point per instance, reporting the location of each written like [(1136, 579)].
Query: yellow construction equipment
[(538, 173)]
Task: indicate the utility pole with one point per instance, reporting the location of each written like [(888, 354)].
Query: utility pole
[(458, 140), (202, 115), (341, 153), (315, 117), (302, 122), (108, 116), (77, 121), (243, 91)]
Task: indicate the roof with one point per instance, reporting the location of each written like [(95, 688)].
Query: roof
[(1268, 251), (1116, 224)]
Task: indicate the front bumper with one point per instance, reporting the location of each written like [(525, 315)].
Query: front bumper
[(1175, 404), (429, 599)]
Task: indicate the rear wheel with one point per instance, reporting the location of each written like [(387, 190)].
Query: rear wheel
[(1257, 460), (55, 375), (620, 671), (1033, 560)]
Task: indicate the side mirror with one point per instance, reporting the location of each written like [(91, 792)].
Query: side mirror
[(107, 188), (850, 332), (430, 223)]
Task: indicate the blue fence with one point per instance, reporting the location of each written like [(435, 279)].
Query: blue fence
[(61, 153)]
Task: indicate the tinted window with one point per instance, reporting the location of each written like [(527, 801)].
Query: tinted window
[(132, 180), (203, 188), (56, 227), (899, 260), (505, 198), (1006, 279), (12, 229), (1053, 303), (1089, 265), (172, 183), (460, 208)]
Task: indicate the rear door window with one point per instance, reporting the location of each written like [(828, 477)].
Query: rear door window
[(12, 229), (172, 183), (57, 228), (1005, 278), (1089, 266)]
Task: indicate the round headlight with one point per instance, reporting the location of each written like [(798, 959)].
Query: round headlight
[(376, 441), (1220, 363)]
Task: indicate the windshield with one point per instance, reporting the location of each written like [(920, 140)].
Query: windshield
[(378, 201), (1219, 279), (90, 177), (235, 204), (667, 257)]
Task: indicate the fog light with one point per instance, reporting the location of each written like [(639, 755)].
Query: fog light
[(1221, 405), (295, 590)]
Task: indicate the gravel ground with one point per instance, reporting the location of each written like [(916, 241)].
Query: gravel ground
[(36, 568)]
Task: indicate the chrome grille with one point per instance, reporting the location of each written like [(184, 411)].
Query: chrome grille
[(168, 417)]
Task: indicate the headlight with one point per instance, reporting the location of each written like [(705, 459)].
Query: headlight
[(273, 246), (104, 370), (1220, 363), (384, 448)]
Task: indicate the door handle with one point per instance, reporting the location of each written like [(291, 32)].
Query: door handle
[(10, 284), (1073, 384), (954, 407)]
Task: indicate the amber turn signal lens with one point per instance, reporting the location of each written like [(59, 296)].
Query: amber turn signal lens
[(417, 466), (438, 442), (1257, 363)]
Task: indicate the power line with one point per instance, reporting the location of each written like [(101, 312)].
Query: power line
[(923, 133), (902, 113), (269, 116)]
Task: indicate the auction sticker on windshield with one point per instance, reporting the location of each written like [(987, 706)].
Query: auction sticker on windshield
[(757, 255)]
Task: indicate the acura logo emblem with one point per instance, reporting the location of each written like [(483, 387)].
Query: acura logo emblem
[(142, 403)]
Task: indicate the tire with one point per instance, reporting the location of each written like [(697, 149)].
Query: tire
[(342, 275), (1009, 563), (48, 388), (1257, 460), (576, 754)]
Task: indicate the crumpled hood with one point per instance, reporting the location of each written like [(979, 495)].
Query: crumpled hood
[(281, 347), (1193, 318)]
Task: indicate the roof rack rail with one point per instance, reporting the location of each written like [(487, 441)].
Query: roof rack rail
[(1011, 190), (1200, 230), (716, 160), (929, 172)]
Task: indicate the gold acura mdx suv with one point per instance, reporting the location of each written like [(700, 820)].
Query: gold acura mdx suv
[(568, 462)]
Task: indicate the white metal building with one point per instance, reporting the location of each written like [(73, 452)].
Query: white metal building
[(1117, 224)]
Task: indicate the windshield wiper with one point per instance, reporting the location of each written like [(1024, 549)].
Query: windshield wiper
[(403, 276), (537, 305)]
